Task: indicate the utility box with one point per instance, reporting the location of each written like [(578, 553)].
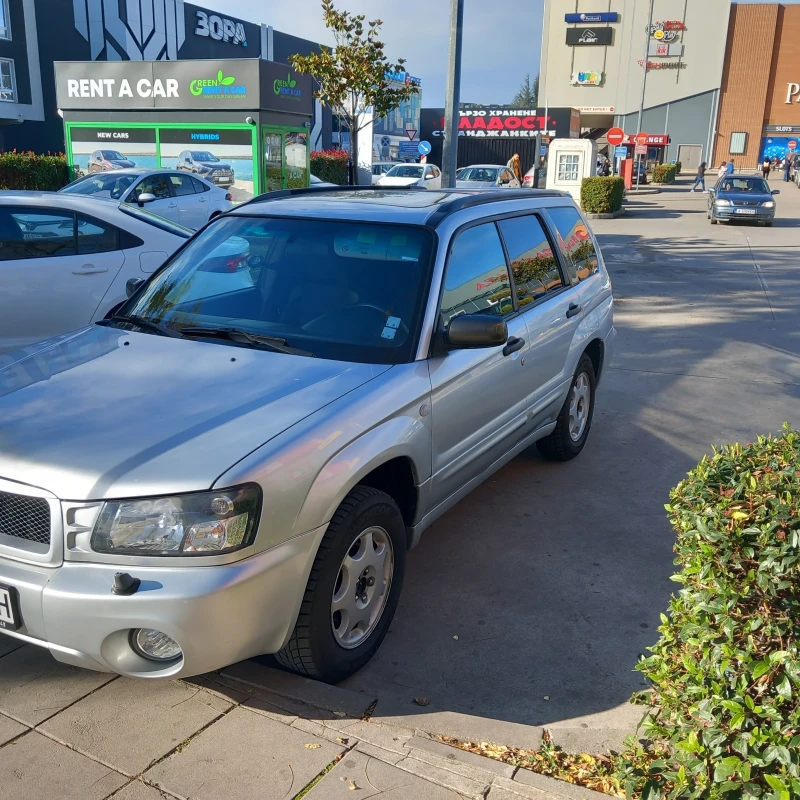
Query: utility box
[(626, 170), (569, 161)]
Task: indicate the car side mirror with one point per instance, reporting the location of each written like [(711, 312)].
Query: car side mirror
[(145, 197), (468, 331), (429, 176), (132, 286), (776, 191)]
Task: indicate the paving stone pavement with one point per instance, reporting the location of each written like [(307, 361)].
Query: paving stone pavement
[(249, 731)]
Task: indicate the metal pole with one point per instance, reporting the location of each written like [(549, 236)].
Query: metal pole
[(644, 80), (452, 97)]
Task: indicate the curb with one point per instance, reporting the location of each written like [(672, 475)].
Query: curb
[(613, 215)]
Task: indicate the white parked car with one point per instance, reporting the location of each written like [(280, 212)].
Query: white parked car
[(427, 175), (65, 260), (486, 176), (186, 199), (380, 168)]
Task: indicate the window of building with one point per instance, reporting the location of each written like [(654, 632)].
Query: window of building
[(5, 25), (738, 143), (8, 89), (568, 167), (576, 243)]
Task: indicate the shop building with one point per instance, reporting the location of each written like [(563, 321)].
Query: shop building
[(41, 32), (593, 60), (759, 111)]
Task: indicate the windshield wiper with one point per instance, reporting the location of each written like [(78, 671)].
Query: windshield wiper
[(143, 322), (240, 336)]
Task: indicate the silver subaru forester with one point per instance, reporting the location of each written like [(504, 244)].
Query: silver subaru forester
[(208, 476)]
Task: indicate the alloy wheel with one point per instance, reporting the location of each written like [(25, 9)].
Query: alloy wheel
[(579, 403)]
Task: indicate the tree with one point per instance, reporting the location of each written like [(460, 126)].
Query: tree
[(354, 77), (528, 94)]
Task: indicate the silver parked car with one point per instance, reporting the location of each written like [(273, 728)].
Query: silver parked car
[(219, 474), (486, 176)]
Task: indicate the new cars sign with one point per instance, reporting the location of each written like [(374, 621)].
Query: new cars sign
[(580, 36)]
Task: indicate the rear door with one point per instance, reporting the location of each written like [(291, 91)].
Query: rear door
[(55, 268), (192, 207), (550, 308)]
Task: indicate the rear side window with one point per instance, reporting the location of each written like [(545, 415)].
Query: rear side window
[(477, 277), (199, 186), (96, 237), (533, 263), (181, 185), (575, 242), (35, 233)]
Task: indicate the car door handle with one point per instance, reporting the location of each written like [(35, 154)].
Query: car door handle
[(89, 269), (512, 345), (203, 199), (172, 205), (573, 310)]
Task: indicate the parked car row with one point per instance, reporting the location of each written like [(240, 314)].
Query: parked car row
[(198, 162), (275, 415)]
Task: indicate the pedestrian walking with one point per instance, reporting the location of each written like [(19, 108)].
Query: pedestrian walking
[(775, 163), (701, 178), (765, 165), (722, 171), (730, 168), (606, 171), (515, 166), (787, 168)]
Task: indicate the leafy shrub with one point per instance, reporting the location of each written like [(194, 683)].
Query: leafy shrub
[(330, 165), (678, 166), (664, 173), (31, 171), (726, 670), (602, 195)]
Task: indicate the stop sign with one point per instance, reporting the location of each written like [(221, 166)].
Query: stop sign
[(615, 136), (792, 144), (640, 138)]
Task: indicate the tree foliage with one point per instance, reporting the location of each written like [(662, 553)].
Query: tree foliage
[(353, 77), (528, 94)]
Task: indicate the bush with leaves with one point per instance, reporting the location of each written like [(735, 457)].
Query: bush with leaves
[(664, 173), (602, 195), (33, 172), (330, 165), (726, 670)]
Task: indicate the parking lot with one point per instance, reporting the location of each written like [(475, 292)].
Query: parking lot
[(527, 605)]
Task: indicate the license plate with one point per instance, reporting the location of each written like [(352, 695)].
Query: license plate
[(9, 609), (745, 211)]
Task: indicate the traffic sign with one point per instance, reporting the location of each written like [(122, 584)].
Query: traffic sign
[(792, 144), (411, 134), (640, 138), (620, 152), (424, 148), (615, 136), (408, 150), (640, 149)]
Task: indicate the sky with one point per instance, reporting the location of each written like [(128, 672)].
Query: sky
[(502, 38)]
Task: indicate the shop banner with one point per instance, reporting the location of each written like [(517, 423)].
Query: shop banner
[(600, 16), (578, 37), (285, 89), (99, 149)]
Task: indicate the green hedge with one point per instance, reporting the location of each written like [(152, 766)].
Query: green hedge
[(31, 171), (330, 165), (602, 195), (726, 670), (678, 167), (664, 173)]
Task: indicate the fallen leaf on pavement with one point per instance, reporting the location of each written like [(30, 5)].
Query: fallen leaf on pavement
[(340, 713), (341, 740), (313, 745), (421, 701), (456, 638), (547, 697), (352, 786)]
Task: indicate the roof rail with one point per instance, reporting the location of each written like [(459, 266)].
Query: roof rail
[(461, 200), (281, 194)]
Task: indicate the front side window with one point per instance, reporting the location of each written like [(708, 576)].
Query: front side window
[(34, 233), (477, 280), (5, 27), (152, 184), (576, 243), (95, 236), (8, 87), (568, 167), (338, 290), (533, 263)]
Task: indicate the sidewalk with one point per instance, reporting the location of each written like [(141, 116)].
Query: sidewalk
[(69, 733)]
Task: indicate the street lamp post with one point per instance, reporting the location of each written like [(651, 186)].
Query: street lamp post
[(450, 146)]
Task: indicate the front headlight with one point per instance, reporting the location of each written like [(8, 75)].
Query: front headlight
[(768, 204), (722, 202), (205, 523)]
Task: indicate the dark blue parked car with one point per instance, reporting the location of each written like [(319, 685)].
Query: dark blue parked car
[(746, 197)]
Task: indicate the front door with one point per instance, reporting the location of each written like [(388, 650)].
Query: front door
[(286, 159), (192, 206), (479, 397), (165, 205)]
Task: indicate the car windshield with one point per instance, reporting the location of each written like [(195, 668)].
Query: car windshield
[(162, 223), (101, 184), (485, 174), (347, 291), (113, 155), (757, 185), (405, 171), (203, 155)]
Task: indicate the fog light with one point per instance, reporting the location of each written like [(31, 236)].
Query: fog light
[(154, 645)]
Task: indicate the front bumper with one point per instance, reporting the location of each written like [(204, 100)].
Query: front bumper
[(218, 615), (731, 212)]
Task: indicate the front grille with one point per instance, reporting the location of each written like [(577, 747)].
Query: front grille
[(25, 517)]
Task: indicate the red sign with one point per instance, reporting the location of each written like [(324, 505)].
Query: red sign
[(674, 25), (411, 134), (792, 144), (640, 150), (640, 138), (653, 139), (615, 136)]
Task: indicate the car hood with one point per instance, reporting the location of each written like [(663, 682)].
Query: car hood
[(386, 181), (103, 412), (213, 164), (124, 163)]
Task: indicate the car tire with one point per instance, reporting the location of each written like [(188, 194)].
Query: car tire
[(318, 648), (768, 224), (572, 427)]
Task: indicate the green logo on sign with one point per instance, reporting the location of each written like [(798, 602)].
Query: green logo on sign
[(286, 88), (216, 86)]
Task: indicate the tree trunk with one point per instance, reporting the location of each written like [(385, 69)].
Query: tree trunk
[(353, 156)]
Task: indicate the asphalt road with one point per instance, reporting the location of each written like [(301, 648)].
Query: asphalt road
[(552, 576)]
